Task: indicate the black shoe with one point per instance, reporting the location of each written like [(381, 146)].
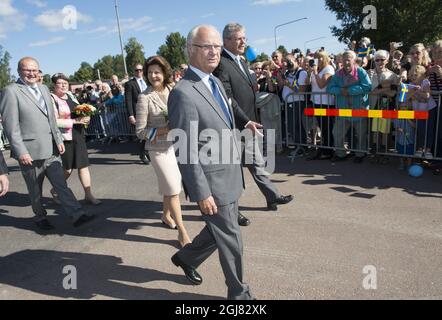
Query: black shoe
[(83, 220), (190, 272), (44, 225), (243, 221), (314, 155), (281, 200), (145, 159)]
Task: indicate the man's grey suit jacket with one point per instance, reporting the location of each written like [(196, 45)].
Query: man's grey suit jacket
[(28, 128), (191, 101)]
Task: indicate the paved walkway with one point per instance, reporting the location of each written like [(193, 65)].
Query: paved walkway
[(345, 217)]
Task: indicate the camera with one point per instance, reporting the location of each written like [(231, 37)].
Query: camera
[(290, 64), (398, 45), (313, 62)]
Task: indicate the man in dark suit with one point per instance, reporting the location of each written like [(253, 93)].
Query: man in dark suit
[(4, 182), (199, 106), (132, 89), (36, 142), (239, 86)]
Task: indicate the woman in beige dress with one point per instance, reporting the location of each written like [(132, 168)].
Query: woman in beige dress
[(152, 125)]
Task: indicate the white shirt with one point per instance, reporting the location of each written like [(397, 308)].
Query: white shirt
[(325, 99), (288, 93), (141, 83), (205, 78), (237, 60)]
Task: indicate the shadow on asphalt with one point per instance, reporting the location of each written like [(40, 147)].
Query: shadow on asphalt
[(41, 271), (113, 219), (351, 177)]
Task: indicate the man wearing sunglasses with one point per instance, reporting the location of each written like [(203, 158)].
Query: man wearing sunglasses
[(132, 89)]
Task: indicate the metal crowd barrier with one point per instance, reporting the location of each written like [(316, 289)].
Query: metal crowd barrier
[(385, 127), (3, 139), (110, 122)]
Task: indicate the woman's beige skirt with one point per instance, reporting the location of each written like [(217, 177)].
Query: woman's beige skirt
[(167, 171)]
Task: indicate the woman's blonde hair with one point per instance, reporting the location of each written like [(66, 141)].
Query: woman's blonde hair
[(268, 64), (324, 55), (425, 56)]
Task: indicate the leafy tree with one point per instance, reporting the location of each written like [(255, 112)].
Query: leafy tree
[(47, 79), (105, 65), (135, 54), (262, 57), (118, 66), (409, 21), (85, 73), (283, 50), (174, 49), (5, 70)]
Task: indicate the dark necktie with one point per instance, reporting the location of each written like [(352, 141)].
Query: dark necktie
[(217, 95)]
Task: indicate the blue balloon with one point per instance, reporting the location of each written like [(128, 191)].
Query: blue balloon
[(251, 54), (415, 171)]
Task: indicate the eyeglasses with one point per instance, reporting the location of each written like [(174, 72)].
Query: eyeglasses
[(208, 47), (138, 70), (380, 60)]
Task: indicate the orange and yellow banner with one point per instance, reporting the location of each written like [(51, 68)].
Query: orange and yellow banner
[(373, 114)]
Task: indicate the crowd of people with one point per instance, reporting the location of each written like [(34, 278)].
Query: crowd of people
[(219, 91)]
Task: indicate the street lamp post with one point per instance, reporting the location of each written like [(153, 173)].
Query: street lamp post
[(284, 24), (305, 43), (121, 39)]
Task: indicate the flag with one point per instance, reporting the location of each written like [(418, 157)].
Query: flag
[(295, 85), (364, 52), (404, 92)]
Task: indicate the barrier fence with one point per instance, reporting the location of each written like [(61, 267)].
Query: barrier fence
[(365, 125), (371, 124)]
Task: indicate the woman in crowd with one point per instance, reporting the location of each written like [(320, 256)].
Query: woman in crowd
[(419, 94), (418, 56), (384, 84), (267, 83), (72, 129), (116, 114), (152, 125), (320, 75), (435, 78)]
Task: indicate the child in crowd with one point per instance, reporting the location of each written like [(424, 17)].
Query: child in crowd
[(421, 100), (405, 133)]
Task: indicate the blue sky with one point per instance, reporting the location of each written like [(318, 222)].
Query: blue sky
[(35, 27)]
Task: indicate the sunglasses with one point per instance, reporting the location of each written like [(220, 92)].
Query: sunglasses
[(380, 60), (138, 70)]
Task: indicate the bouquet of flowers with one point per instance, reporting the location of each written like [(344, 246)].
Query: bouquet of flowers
[(84, 110)]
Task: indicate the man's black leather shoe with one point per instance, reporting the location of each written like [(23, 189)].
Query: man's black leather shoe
[(281, 200), (243, 221), (83, 220), (190, 272), (145, 159), (44, 225)]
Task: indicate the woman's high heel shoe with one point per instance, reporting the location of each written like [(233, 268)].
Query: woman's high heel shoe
[(166, 224)]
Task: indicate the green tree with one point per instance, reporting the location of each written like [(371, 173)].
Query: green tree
[(283, 50), (85, 73), (174, 49), (47, 79), (105, 66), (118, 66), (409, 21), (5, 70), (135, 54), (262, 57)]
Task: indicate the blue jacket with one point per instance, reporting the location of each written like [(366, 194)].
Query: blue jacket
[(358, 91)]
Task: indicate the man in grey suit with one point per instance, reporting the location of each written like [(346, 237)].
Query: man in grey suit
[(199, 104), (31, 127), (4, 182), (240, 87)]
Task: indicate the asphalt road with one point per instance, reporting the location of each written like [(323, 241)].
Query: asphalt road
[(346, 219)]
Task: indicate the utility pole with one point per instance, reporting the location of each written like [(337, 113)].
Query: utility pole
[(121, 39)]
